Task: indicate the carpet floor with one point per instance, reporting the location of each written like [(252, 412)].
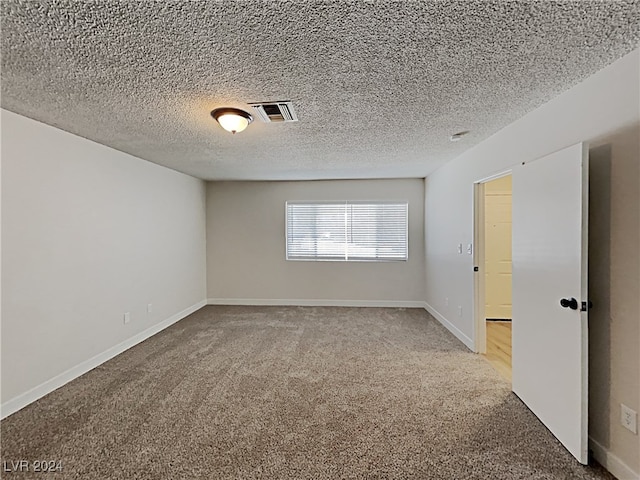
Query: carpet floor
[(290, 393)]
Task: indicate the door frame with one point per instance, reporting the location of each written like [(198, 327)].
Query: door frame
[(479, 324)]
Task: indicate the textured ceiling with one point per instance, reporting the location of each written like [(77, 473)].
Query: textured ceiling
[(379, 86)]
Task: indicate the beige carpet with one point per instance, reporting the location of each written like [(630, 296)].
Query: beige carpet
[(291, 393)]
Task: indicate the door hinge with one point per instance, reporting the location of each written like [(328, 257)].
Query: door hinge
[(583, 307)]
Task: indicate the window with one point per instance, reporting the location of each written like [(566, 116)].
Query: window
[(347, 231)]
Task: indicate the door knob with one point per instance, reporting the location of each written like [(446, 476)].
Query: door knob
[(571, 303)]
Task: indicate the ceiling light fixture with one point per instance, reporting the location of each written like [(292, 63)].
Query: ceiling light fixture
[(232, 119)]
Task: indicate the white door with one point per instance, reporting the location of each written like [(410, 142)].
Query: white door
[(497, 248), (549, 359)]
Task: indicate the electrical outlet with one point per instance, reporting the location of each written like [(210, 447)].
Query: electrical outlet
[(460, 248), (628, 418), (149, 308), (446, 301), (127, 317), (459, 311)]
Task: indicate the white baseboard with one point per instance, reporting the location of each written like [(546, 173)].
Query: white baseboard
[(30, 396), (608, 460), (282, 302), (449, 326)]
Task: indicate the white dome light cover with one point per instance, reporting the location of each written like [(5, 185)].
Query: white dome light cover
[(232, 119)]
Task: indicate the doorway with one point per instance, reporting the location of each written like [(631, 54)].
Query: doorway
[(549, 289), (493, 259)]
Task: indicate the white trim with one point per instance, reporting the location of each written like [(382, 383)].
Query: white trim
[(608, 460), (449, 326), (479, 325), (30, 396), (315, 302), (495, 176), (479, 286)]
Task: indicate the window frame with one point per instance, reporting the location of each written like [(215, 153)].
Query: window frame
[(346, 258)]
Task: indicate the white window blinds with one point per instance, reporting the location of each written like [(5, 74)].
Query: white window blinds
[(373, 231)]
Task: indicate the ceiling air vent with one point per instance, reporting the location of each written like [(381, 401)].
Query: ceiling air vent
[(275, 112)]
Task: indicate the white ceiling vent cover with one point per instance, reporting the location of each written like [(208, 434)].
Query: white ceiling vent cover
[(275, 112)]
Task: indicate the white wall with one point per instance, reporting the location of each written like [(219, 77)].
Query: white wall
[(603, 110), (246, 247), (88, 233)]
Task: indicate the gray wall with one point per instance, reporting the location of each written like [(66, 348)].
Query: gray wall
[(614, 288), (602, 110), (246, 246), (88, 233)]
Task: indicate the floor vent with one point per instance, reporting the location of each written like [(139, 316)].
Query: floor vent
[(275, 112)]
